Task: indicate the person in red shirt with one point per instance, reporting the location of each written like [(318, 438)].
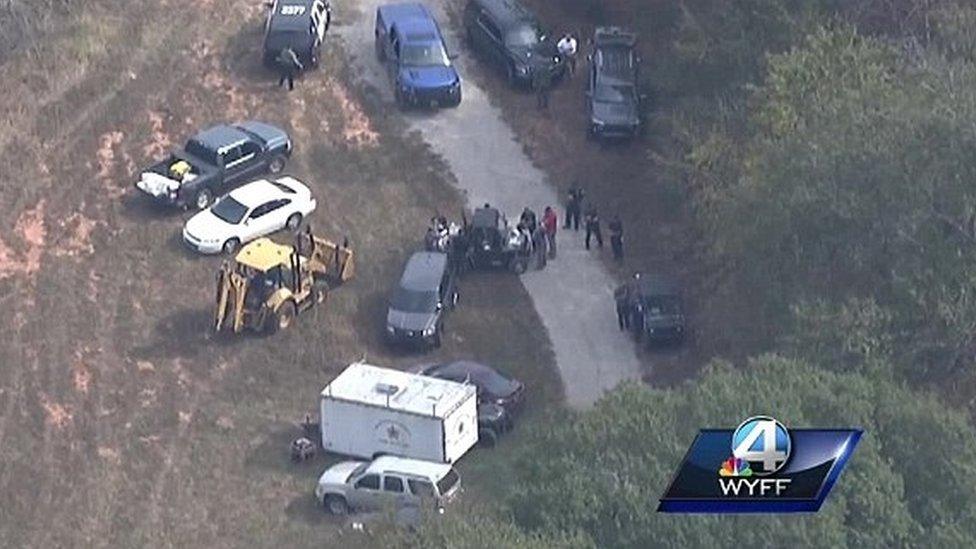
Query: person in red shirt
[(549, 223)]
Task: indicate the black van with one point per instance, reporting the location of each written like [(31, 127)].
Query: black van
[(426, 290), (510, 37)]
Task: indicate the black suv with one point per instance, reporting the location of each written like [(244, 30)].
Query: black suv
[(417, 306), (297, 24), (655, 307), (499, 397), (511, 38), (490, 243), (613, 101)]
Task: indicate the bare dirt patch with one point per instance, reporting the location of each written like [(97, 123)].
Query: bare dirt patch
[(76, 233), (160, 142), (55, 414), (31, 233), (357, 129)]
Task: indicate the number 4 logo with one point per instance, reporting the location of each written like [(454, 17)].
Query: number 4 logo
[(762, 440)]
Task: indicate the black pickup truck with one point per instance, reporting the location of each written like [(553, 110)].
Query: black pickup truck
[(214, 161)]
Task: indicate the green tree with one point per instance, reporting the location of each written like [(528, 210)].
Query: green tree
[(855, 184), (602, 471)]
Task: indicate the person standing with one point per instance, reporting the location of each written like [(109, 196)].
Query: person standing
[(622, 296), (528, 219), (289, 65), (541, 82), (617, 238), (549, 224), (592, 223), (568, 47), (539, 246), (574, 206)]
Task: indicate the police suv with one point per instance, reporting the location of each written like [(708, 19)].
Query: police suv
[(299, 25)]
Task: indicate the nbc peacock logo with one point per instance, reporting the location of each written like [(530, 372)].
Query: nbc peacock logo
[(735, 467)]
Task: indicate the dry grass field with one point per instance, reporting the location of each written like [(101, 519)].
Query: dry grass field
[(122, 422)]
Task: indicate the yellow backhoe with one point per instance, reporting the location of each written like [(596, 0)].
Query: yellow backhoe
[(269, 284)]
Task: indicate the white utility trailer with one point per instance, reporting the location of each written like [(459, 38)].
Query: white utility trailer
[(368, 411)]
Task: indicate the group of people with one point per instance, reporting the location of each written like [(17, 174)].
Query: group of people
[(568, 47), (592, 223), (540, 235)]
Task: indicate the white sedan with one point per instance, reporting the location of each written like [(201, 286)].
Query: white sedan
[(249, 212)]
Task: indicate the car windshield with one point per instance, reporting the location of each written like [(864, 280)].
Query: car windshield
[(357, 471), (448, 483), (525, 34), (229, 210), (482, 376), (494, 383), (424, 55), (662, 305), (201, 151), (413, 301), (617, 93)]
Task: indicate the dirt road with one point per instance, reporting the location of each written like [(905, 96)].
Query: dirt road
[(573, 296)]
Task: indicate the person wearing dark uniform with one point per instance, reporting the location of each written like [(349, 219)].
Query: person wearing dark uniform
[(541, 82), (528, 219), (539, 246), (592, 222), (573, 207), (617, 238), (289, 65), (622, 296)]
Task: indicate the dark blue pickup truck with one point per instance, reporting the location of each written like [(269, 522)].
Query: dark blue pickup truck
[(409, 43), (214, 161)]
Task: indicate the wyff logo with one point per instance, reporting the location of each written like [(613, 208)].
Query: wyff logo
[(770, 469)]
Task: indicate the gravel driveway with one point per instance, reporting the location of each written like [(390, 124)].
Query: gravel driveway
[(574, 294)]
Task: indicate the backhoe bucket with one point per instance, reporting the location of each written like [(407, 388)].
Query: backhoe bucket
[(229, 312)]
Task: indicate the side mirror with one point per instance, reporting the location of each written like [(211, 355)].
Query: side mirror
[(440, 305)]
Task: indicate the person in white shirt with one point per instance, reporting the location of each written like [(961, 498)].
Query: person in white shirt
[(567, 47)]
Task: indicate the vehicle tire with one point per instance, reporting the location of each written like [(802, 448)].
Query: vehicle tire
[(283, 318), (511, 76), (400, 99), (277, 164), (436, 342), (380, 54), (487, 438), (320, 293), (455, 104), (294, 222), (336, 505), (231, 246), (313, 56), (519, 265), (203, 199)]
